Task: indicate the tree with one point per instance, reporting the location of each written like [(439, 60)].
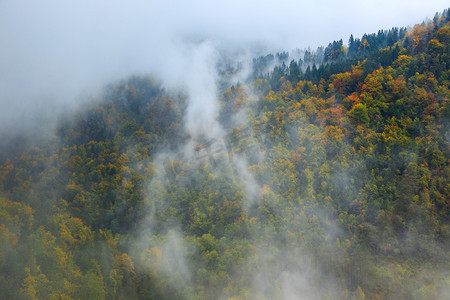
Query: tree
[(359, 114)]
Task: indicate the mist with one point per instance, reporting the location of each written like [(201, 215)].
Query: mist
[(56, 57), (56, 54)]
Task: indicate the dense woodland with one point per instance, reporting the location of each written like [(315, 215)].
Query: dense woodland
[(332, 182)]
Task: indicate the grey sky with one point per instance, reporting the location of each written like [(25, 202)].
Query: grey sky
[(54, 51)]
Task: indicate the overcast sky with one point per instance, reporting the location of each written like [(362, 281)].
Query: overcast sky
[(53, 51)]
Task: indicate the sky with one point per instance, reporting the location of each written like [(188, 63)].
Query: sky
[(56, 53)]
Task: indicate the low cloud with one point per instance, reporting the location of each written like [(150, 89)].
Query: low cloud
[(56, 53)]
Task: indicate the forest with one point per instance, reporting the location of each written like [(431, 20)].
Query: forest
[(321, 177)]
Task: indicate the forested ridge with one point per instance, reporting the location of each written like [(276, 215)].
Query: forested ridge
[(331, 180)]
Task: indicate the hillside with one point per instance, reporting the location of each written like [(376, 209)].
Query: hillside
[(324, 177)]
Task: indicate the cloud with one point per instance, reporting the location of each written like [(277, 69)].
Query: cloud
[(54, 53)]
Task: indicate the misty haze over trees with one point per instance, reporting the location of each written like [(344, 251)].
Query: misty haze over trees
[(305, 174)]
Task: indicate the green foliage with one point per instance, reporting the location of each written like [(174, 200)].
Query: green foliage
[(338, 186), (359, 115)]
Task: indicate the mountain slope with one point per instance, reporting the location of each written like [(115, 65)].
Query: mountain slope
[(327, 181)]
